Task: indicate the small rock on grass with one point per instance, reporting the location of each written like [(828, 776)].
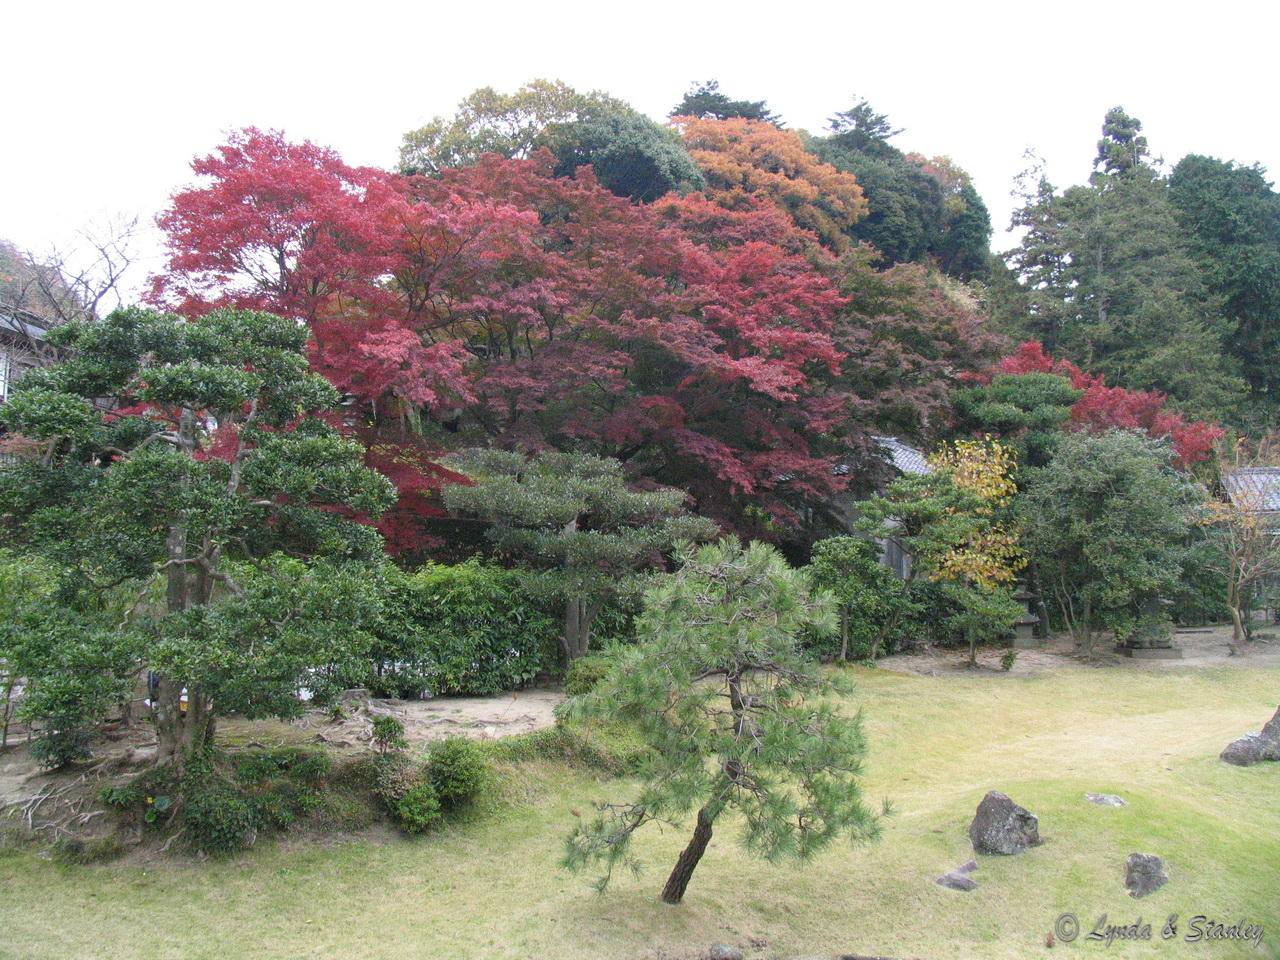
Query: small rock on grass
[(959, 879), (955, 880), (723, 951), (1105, 799)]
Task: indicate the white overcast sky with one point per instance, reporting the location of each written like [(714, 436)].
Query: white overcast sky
[(106, 103)]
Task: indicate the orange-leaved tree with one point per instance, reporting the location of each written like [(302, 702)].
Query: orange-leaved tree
[(745, 160)]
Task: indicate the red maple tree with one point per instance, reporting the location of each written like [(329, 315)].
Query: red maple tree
[(719, 350), (1101, 407)]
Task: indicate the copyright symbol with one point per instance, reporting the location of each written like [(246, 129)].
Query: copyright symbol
[(1066, 927)]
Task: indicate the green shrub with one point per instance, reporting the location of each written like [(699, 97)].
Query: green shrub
[(933, 617), (471, 628), (62, 744), (226, 802), (297, 764), (612, 751), (418, 809), (120, 796), (1007, 661), (391, 776), (584, 673), (1201, 593), (616, 621), (456, 770), (220, 819), (868, 596), (388, 734)]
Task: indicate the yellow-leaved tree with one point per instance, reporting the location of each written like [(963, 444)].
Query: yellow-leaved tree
[(952, 523)]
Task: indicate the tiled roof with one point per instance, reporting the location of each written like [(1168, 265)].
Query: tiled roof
[(906, 459), (23, 323), (1254, 488)]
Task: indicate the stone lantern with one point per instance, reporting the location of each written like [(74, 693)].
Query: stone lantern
[(1024, 628)]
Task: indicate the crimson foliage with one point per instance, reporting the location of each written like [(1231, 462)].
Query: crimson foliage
[(722, 351)]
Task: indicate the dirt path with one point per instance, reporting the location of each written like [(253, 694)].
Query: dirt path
[(482, 718), (22, 779), (1201, 647)]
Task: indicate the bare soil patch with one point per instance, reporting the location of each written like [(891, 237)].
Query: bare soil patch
[(57, 801), (1200, 646), (481, 718)]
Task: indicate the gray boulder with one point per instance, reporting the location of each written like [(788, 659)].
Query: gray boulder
[(1003, 827), (1145, 874), (1253, 747), (1244, 752), (1271, 735), (723, 951)]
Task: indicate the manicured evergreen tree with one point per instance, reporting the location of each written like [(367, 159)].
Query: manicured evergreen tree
[(734, 717), (574, 521), (867, 594), (185, 460), (1105, 524)]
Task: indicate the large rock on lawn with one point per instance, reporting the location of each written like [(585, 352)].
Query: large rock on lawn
[(1145, 874), (1001, 826), (1253, 747)]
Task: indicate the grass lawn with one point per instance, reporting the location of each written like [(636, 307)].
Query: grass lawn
[(491, 887)]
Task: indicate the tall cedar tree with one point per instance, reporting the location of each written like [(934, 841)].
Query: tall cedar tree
[(1230, 217), (1112, 285)]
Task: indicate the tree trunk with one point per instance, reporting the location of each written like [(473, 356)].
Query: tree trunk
[(1084, 631), (181, 733), (8, 708), (573, 645), (844, 633), (1239, 635), (1238, 632), (673, 892), (579, 618)]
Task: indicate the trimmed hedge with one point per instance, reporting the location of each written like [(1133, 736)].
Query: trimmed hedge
[(469, 629)]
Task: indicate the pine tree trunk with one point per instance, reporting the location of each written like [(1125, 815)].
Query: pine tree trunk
[(579, 618), (844, 633), (673, 892)]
